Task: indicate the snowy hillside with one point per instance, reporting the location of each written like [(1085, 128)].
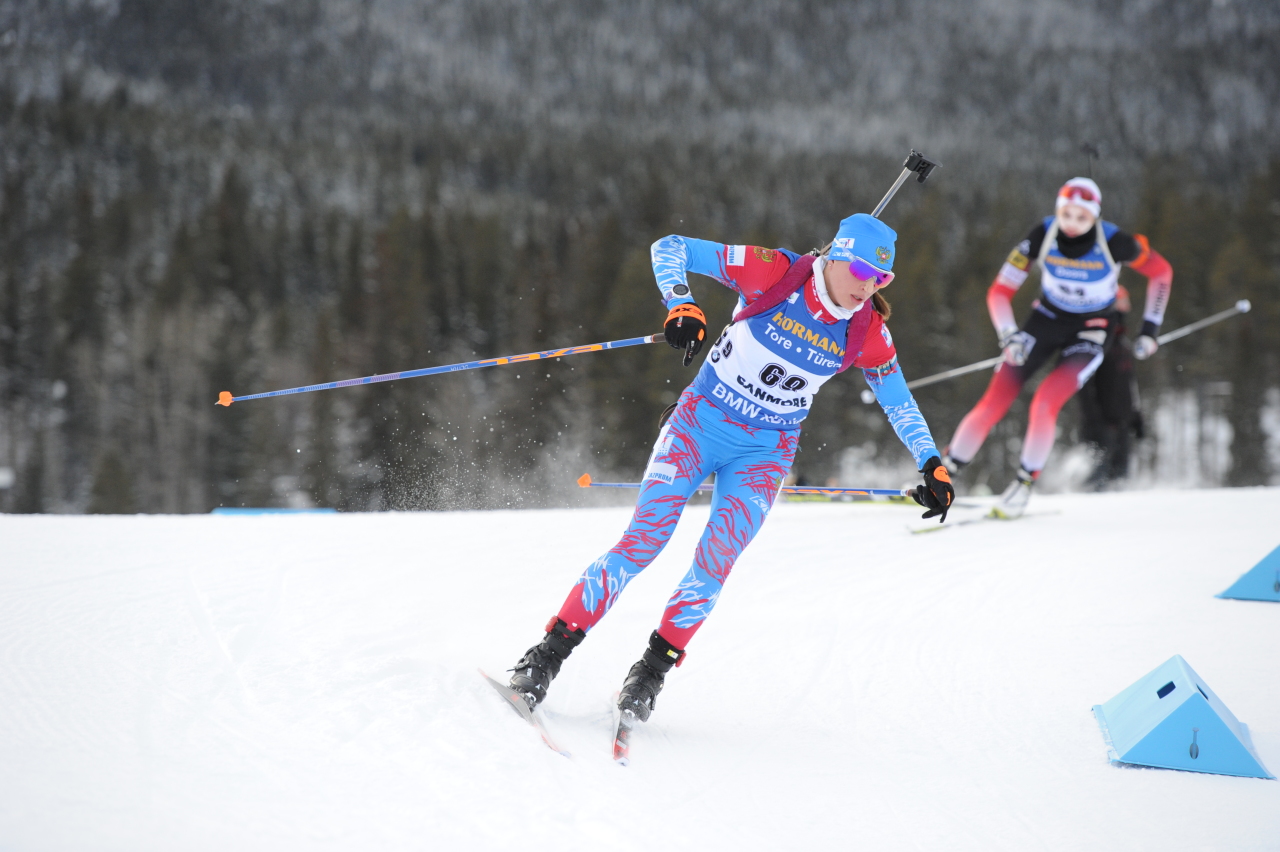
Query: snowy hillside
[(309, 682)]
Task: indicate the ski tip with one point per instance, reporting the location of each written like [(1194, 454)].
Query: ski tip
[(225, 398), (584, 481)]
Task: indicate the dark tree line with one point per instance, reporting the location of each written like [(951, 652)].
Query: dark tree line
[(241, 196)]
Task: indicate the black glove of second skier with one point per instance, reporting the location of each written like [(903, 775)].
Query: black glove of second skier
[(936, 494), (686, 328)]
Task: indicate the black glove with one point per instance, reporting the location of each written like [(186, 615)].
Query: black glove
[(686, 328), (936, 494)]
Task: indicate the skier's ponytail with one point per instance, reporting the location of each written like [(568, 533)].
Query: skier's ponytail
[(881, 304)]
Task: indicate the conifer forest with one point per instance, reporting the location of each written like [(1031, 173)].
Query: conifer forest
[(246, 195)]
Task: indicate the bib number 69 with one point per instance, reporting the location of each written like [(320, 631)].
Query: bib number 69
[(773, 374)]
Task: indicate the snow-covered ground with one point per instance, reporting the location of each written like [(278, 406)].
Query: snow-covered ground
[(309, 682)]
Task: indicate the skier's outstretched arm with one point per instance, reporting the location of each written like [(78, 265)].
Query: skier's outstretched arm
[(890, 388), (1159, 275), (1013, 272), (1000, 307), (879, 363), (673, 257), (747, 270)]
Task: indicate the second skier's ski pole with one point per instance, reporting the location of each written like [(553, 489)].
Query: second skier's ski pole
[(225, 398), (1241, 307), (869, 397)]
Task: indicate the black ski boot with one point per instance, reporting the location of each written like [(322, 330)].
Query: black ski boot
[(644, 681), (533, 673)]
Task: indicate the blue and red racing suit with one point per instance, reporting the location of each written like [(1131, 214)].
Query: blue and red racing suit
[(739, 419)]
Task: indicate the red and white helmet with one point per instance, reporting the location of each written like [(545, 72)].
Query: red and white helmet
[(1082, 192)]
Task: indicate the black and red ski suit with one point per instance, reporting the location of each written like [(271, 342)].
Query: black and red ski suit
[(1075, 318)]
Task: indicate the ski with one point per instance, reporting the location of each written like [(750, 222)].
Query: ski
[(623, 723), (516, 701), (993, 515)]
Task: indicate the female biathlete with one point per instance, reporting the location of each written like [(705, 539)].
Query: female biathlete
[(1079, 257), (800, 320)]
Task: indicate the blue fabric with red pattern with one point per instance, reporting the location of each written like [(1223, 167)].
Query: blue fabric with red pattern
[(766, 370), (739, 419), (699, 439)]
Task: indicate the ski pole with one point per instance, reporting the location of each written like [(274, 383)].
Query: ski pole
[(869, 397), (1241, 307), (225, 398), (585, 481), (916, 163)]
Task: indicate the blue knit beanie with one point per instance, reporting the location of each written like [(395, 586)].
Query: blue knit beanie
[(866, 237)]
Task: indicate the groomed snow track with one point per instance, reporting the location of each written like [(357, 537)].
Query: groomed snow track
[(309, 682)]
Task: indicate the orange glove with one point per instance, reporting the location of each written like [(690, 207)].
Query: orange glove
[(685, 329), (937, 493)]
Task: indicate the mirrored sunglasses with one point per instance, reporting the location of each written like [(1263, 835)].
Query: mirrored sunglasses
[(864, 271), (1080, 192)]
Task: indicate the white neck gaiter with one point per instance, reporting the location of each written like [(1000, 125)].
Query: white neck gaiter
[(820, 284)]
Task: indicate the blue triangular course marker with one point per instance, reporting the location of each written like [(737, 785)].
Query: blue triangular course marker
[(1172, 719), (1259, 583)]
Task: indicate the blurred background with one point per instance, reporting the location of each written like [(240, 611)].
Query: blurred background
[(244, 195)]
